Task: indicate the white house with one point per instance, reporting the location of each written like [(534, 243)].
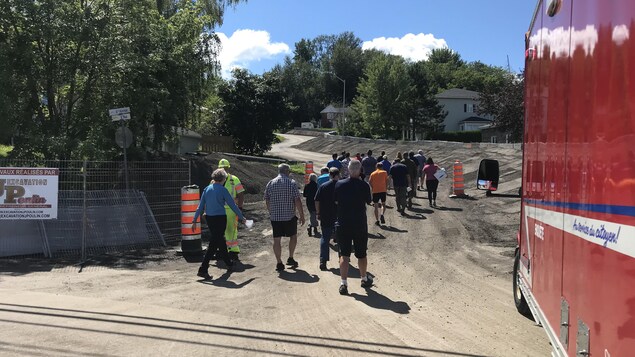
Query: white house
[(330, 116), (461, 106)]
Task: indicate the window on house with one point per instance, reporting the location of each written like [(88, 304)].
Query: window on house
[(493, 139), (330, 116), (469, 108)]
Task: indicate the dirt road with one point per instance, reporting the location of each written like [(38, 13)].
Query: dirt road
[(438, 292), (287, 151)]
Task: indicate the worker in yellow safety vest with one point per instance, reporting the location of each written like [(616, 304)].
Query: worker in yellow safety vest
[(236, 190)]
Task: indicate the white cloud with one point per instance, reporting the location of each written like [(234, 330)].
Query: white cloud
[(247, 46), (413, 47)]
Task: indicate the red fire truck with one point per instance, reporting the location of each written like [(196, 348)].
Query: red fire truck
[(575, 263)]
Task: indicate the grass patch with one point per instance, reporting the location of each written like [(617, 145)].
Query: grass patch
[(5, 150), (278, 139), (295, 168)]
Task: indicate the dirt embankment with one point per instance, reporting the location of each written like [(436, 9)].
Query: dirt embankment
[(253, 175)]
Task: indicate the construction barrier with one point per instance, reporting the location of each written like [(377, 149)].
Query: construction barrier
[(308, 169), (190, 239), (458, 183)]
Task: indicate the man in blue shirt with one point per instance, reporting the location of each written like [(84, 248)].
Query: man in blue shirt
[(324, 176), (385, 163), (327, 214), (334, 163), (351, 196), (212, 204)]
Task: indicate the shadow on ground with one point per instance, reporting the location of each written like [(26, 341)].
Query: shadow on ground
[(379, 301), (297, 275), (133, 260)]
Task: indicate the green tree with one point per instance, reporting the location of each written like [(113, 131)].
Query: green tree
[(479, 77), (66, 62), (506, 105), (254, 108), (384, 102), (427, 114), (308, 78)]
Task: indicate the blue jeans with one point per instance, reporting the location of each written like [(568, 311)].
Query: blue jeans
[(327, 232)]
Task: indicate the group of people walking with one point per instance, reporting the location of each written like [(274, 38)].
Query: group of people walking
[(336, 200)]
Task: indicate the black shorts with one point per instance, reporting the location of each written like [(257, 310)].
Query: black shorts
[(380, 196), (346, 237), (285, 228)]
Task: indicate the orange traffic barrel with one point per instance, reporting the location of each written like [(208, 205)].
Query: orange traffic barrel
[(458, 182), (308, 170), (190, 239)]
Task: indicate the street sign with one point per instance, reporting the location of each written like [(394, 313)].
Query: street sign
[(120, 117), (123, 137), (119, 111)]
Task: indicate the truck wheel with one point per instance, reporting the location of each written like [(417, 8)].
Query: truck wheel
[(519, 299)]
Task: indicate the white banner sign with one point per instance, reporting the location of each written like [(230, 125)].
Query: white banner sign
[(119, 111), (28, 193)]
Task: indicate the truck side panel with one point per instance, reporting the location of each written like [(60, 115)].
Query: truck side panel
[(547, 135), (599, 275)]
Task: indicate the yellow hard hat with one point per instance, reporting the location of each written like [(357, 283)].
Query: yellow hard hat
[(223, 163)]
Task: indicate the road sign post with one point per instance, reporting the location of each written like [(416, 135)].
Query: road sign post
[(125, 156), (121, 115)]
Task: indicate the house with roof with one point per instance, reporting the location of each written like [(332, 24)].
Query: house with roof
[(330, 116), (461, 106)]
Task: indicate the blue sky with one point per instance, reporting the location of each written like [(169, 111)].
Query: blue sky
[(260, 33)]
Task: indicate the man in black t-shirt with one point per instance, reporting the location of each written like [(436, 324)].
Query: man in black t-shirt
[(368, 165), (401, 182), (408, 160), (327, 214), (352, 195)]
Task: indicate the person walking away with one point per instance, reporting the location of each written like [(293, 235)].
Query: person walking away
[(412, 172), (283, 200), (351, 196), (421, 162), (368, 165), (401, 182), (431, 181), (334, 163), (379, 186), (344, 169), (386, 167), (237, 191), (327, 214), (309, 194), (212, 204), (324, 176)]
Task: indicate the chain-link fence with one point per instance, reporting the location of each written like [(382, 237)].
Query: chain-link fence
[(97, 214)]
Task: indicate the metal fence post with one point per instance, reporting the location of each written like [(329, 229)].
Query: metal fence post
[(84, 218)]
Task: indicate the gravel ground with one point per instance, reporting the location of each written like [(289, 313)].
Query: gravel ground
[(442, 288)]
